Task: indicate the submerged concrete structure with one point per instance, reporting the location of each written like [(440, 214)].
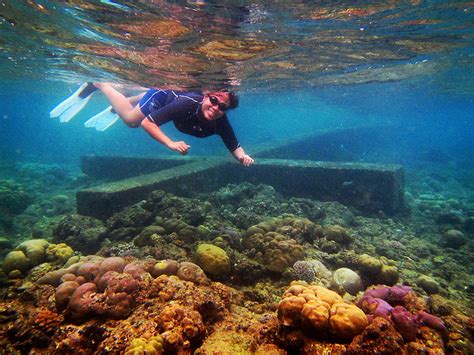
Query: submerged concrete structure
[(369, 187)]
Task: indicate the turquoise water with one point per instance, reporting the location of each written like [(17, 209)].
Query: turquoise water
[(387, 82)]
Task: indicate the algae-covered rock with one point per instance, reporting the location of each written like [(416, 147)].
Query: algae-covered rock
[(133, 216), (83, 234), (369, 265), (453, 238), (337, 233), (5, 243), (213, 260), (427, 283), (13, 198), (388, 275)]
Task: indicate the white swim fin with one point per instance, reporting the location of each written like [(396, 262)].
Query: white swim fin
[(70, 107), (102, 120)]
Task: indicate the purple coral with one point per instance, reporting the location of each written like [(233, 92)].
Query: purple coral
[(304, 271), (378, 302), (391, 294), (405, 322), (432, 322)]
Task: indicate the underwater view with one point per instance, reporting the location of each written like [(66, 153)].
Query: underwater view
[(313, 194)]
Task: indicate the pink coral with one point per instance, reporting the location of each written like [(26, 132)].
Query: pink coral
[(83, 301), (114, 263), (114, 282), (88, 270), (64, 293)]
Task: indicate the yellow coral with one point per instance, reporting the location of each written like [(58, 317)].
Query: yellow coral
[(59, 252), (141, 346), (320, 312), (212, 259)]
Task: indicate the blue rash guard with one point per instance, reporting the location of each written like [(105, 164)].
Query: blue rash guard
[(184, 109)]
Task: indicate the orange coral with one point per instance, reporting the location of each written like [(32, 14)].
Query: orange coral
[(289, 310), (315, 316), (347, 321), (320, 312), (181, 326)]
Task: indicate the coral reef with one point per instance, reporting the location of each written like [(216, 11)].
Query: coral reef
[(141, 292)]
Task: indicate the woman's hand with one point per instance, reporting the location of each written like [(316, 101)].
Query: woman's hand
[(246, 160), (181, 147)]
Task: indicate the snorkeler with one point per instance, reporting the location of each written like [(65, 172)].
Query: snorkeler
[(197, 114)]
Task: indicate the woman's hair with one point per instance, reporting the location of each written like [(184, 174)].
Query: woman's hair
[(233, 99)]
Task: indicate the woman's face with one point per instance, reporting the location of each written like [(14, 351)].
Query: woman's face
[(215, 105)]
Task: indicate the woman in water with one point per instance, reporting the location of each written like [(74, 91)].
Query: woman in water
[(194, 113)]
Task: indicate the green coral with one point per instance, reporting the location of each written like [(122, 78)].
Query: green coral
[(35, 250)]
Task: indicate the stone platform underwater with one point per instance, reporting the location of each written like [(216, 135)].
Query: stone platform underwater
[(370, 188)]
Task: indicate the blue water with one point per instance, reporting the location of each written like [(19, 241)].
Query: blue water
[(300, 68), (423, 121)]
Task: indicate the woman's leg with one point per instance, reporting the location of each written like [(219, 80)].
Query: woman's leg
[(132, 116)]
